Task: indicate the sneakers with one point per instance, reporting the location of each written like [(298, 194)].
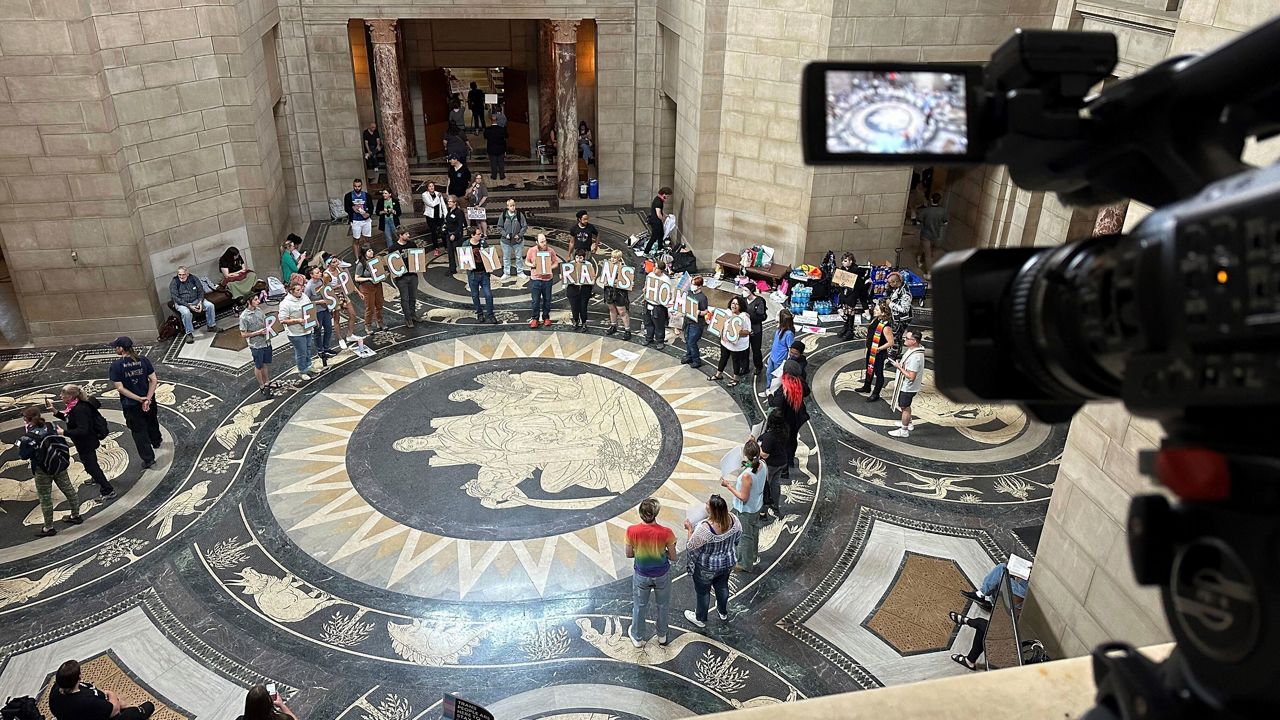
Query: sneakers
[(626, 334), (47, 532), (685, 361), (646, 342), (342, 343), (724, 617), (978, 598), (211, 328), (190, 339), (492, 319), (662, 640), (546, 322), (148, 464), (900, 433), (533, 324), (692, 617), (634, 641), (73, 520), (107, 495), (611, 330), (147, 709), (305, 377), (660, 346)]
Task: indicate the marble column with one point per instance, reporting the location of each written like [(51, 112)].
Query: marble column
[(1110, 220), (565, 35), (386, 69), (546, 82)]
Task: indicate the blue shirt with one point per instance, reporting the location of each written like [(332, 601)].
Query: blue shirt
[(781, 344), (755, 498), (132, 374)]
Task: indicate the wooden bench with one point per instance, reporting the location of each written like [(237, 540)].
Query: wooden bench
[(221, 299), (773, 273)]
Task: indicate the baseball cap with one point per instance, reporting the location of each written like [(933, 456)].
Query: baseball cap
[(124, 341)]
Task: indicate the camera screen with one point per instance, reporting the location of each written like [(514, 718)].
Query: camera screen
[(890, 112)]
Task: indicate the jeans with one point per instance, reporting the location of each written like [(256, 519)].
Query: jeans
[(478, 281), (692, 334), (992, 580), (302, 351), (749, 544), (511, 257), (540, 299), (640, 587), (184, 312), (324, 329), (389, 231), (655, 236), (44, 491), (144, 426), (704, 581)]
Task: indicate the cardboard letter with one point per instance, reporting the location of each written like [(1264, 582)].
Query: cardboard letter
[(330, 297), (489, 256), (395, 263), (466, 261), (274, 327), (628, 278), (567, 275), (309, 315), (718, 318), (417, 260), (348, 284), (586, 271), (375, 269), (732, 330), (609, 274), (544, 262), (652, 285)]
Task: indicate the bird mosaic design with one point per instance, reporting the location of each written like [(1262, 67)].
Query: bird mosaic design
[(936, 488), (241, 425), (184, 503), (616, 643), (19, 590)]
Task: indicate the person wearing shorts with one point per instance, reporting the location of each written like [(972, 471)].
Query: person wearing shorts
[(359, 208), (253, 326), (910, 378)]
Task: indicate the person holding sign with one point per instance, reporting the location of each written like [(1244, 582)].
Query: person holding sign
[(477, 196), (618, 300), (369, 277), (694, 326), (293, 315), (713, 551), (253, 327), (655, 314), (578, 294), (314, 290), (541, 261), (433, 209), (343, 307), (478, 277), (737, 347), (455, 232), (747, 488), (407, 283)]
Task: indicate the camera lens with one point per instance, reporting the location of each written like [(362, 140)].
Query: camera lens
[(1066, 317)]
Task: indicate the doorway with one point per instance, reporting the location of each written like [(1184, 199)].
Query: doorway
[(13, 328), (666, 141), (504, 87)]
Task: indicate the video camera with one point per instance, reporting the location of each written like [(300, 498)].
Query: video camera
[(1180, 319)]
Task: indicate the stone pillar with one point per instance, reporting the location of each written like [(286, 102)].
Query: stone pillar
[(1111, 219), (391, 108), (546, 82), (565, 36)]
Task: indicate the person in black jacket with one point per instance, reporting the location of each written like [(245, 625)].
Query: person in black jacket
[(80, 413), (388, 217), (789, 401), (459, 176), (495, 137), (455, 231), (759, 312)]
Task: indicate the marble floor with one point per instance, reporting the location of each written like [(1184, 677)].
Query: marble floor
[(447, 515)]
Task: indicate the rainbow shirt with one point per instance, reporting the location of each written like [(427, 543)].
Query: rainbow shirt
[(649, 542)]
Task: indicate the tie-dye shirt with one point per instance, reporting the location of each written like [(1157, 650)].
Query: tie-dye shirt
[(649, 542)]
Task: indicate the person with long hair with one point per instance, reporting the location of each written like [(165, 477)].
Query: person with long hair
[(455, 231), (82, 413), (782, 339), (849, 299), (759, 312), (747, 488), (344, 309), (35, 435), (433, 210), (879, 342), (736, 348), (788, 402), (322, 341), (712, 549), (618, 300), (292, 259), (653, 546), (238, 279), (776, 449), (389, 211), (586, 144), (579, 295), (477, 196), (370, 290), (135, 379), (260, 704)]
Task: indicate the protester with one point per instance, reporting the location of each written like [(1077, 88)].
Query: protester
[(70, 699), (135, 380), (478, 279), (899, 303), (477, 197), (455, 232), (292, 314), (712, 549), (238, 279), (618, 301), (459, 177), (344, 309), (370, 290), (736, 348), (655, 315), (879, 342), (407, 283), (540, 283), (292, 258), (253, 327), (910, 380), (747, 488), (849, 299), (578, 295), (653, 547), (322, 343), (776, 447), (512, 224), (788, 401), (758, 310), (43, 444), (187, 294), (782, 339), (694, 326), (359, 209), (433, 210), (657, 217), (585, 235), (388, 209), (260, 704), (83, 417)]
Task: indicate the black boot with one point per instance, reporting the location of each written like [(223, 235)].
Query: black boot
[(847, 333)]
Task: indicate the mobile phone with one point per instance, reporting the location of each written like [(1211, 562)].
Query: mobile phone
[(891, 113), (271, 690)]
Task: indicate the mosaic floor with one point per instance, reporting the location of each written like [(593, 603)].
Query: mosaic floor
[(447, 516)]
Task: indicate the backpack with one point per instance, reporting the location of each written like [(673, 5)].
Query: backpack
[(170, 329), (99, 424), (1033, 651), (21, 708), (52, 454)]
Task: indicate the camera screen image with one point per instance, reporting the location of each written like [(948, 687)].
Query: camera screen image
[(885, 112)]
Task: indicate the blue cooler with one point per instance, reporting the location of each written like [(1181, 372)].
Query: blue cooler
[(593, 189)]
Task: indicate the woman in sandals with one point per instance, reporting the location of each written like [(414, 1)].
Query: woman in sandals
[(736, 348)]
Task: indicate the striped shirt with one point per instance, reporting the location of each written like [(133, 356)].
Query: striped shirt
[(649, 542), (711, 552)]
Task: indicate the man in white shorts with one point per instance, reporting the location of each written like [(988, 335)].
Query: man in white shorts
[(359, 209)]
